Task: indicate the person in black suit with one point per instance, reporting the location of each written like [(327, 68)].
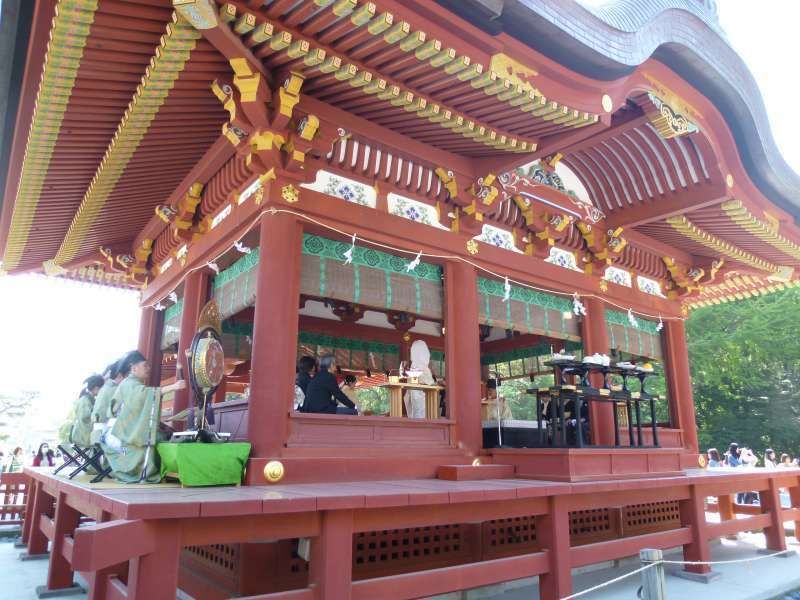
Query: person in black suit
[(323, 392)]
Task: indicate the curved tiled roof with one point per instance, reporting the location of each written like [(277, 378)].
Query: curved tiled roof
[(608, 41)]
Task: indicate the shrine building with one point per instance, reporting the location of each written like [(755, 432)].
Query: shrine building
[(529, 188)]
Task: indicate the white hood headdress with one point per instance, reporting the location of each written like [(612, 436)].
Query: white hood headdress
[(420, 355)]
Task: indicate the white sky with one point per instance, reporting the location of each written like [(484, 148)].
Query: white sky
[(55, 333)]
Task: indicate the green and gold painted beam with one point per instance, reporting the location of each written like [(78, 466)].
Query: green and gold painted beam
[(202, 15), (70, 28), (160, 76), (689, 230), (765, 231)]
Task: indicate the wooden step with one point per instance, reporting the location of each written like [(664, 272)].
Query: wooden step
[(475, 473)]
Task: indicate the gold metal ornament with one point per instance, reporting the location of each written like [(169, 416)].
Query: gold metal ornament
[(274, 471), (729, 180), (701, 460), (290, 193), (476, 462), (607, 103), (603, 285), (472, 247)]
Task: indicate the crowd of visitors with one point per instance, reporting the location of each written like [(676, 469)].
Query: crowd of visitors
[(742, 456)]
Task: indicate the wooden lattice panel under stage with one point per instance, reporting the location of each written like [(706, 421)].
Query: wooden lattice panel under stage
[(638, 519), (218, 562), (402, 550), (586, 526), (390, 552), (508, 537)]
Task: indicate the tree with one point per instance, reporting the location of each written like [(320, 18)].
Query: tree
[(745, 360)]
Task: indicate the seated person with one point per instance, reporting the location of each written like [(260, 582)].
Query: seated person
[(129, 443), (490, 404), (306, 367), (101, 412), (323, 392), (81, 432)]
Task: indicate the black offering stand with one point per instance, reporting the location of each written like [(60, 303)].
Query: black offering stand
[(581, 394)]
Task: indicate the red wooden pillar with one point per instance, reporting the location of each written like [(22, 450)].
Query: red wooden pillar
[(462, 353), (195, 296), (770, 501), (595, 340), (794, 495), (42, 503), (150, 329), (552, 533), (679, 382), (154, 576), (59, 574), (331, 567), (693, 515), (274, 333), (30, 500)]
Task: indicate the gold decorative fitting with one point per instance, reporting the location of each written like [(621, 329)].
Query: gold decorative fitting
[(607, 103), (290, 193), (667, 119), (201, 14), (603, 285), (701, 460), (476, 462), (274, 471), (729, 180), (472, 247)]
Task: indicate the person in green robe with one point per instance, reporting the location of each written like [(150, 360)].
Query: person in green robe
[(101, 412), (130, 442), (81, 432)]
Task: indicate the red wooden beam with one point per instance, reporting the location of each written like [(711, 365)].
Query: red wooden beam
[(548, 145), (450, 579), (699, 196), (98, 546), (735, 525), (422, 516), (593, 553)]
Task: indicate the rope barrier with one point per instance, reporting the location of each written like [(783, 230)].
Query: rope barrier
[(654, 563), (274, 211), (609, 582)]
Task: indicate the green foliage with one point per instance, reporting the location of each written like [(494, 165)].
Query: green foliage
[(745, 361)]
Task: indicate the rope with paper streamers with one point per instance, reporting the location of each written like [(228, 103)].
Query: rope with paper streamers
[(654, 563), (272, 211)]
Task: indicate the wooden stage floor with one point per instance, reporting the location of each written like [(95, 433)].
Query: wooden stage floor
[(169, 500)]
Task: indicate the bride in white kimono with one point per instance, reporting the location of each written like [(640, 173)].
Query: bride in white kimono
[(420, 362)]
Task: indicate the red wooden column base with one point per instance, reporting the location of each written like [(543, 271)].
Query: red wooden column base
[(552, 532), (154, 576), (770, 501), (331, 567), (693, 515), (794, 495), (37, 540), (30, 500), (725, 502), (59, 574)]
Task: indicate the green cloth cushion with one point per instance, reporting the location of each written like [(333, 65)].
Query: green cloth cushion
[(204, 464)]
